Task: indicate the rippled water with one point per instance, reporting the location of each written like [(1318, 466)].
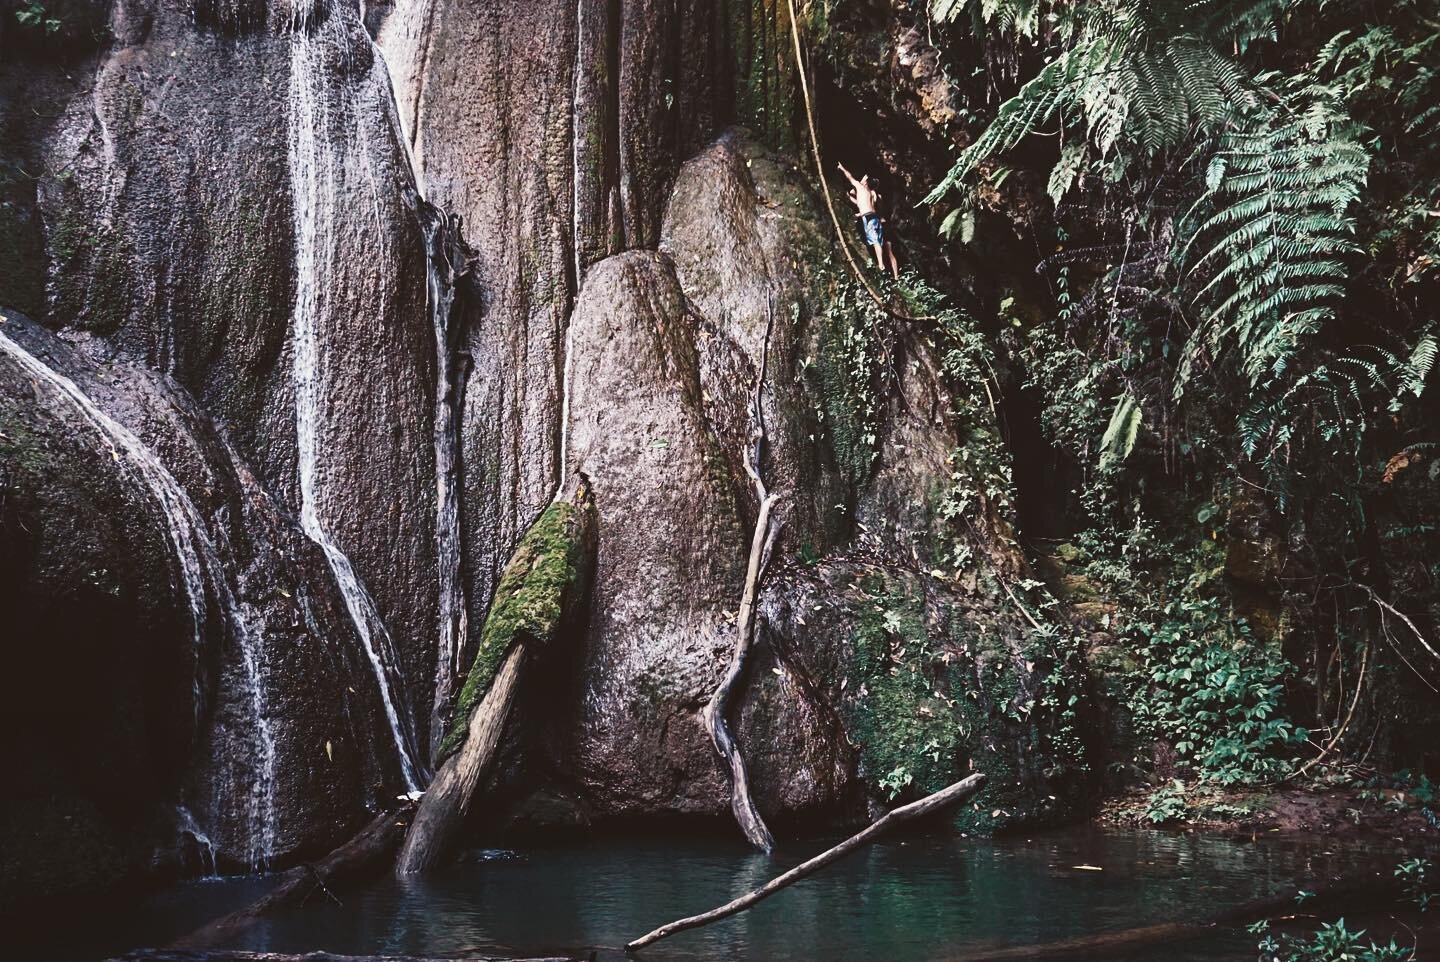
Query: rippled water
[(921, 899)]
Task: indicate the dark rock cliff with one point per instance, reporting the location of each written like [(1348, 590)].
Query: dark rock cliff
[(364, 289)]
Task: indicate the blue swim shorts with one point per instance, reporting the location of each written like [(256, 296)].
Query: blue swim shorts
[(874, 232)]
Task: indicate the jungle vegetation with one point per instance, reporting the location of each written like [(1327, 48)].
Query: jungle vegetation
[(1236, 217)]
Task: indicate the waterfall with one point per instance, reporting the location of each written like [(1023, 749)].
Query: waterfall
[(445, 261), (313, 170), (199, 565), (204, 848), (443, 248)]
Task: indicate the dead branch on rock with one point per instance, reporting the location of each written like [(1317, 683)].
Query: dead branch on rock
[(363, 855), (928, 805), (766, 529)]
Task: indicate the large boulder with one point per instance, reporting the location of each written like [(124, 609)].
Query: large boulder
[(181, 668), (879, 673), (553, 129)]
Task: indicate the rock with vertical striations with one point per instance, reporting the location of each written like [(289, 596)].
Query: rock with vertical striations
[(172, 639)]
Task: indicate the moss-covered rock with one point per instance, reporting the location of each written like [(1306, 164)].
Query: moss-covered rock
[(933, 681)]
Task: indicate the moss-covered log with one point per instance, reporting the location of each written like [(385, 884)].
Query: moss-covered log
[(543, 586)]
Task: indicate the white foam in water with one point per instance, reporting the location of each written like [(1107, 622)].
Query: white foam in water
[(313, 171), (199, 566), (203, 846)]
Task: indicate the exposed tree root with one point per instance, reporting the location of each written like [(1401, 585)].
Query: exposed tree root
[(930, 804), (766, 528)]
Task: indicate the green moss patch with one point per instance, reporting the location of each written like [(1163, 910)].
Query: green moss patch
[(529, 605)]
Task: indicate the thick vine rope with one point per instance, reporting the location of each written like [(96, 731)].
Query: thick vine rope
[(825, 184)]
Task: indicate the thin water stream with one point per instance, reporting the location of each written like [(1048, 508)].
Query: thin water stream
[(318, 174), (249, 793), (919, 900)]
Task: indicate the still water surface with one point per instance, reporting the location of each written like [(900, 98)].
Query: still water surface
[(918, 900)]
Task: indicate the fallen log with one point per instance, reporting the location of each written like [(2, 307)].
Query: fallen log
[(928, 805), (358, 858), (1345, 895), (173, 955), (541, 589), (715, 710)]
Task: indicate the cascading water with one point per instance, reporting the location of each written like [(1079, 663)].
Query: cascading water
[(313, 169), (446, 261), (443, 251), (204, 848), (199, 566)]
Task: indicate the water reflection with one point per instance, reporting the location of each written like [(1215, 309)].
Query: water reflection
[(912, 901)]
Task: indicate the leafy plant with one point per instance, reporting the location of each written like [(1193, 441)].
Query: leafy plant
[(1213, 692), (35, 15), (1268, 240), (1414, 874), (1332, 942), (1168, 805)]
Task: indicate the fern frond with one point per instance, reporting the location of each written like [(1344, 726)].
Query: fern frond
[(1268, 243)]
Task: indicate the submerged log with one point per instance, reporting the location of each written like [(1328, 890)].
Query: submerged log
[(362, 856), (541, 589), (173, 955), (766, 528), (930, 804), (1345, 895)]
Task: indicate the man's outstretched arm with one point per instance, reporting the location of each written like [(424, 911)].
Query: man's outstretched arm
[(848, 176)]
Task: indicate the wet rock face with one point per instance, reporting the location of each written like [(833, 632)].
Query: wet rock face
[(873, 678), (237, 210), (554, 130), (660, 440), (154, 593), (240, 239), (671, 555)]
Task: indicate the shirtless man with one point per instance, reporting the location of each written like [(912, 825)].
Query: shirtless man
[(865, 198)]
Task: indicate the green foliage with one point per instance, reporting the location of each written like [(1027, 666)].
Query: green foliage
[(528, 606), (1241, 288), (1332, 942), (1168, 805), (1271, 235), (1214, 693), (931, 693), (849, 377), (1120, 434), (902, 721), (1414, 874), (36, 16), (1143, 75)]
